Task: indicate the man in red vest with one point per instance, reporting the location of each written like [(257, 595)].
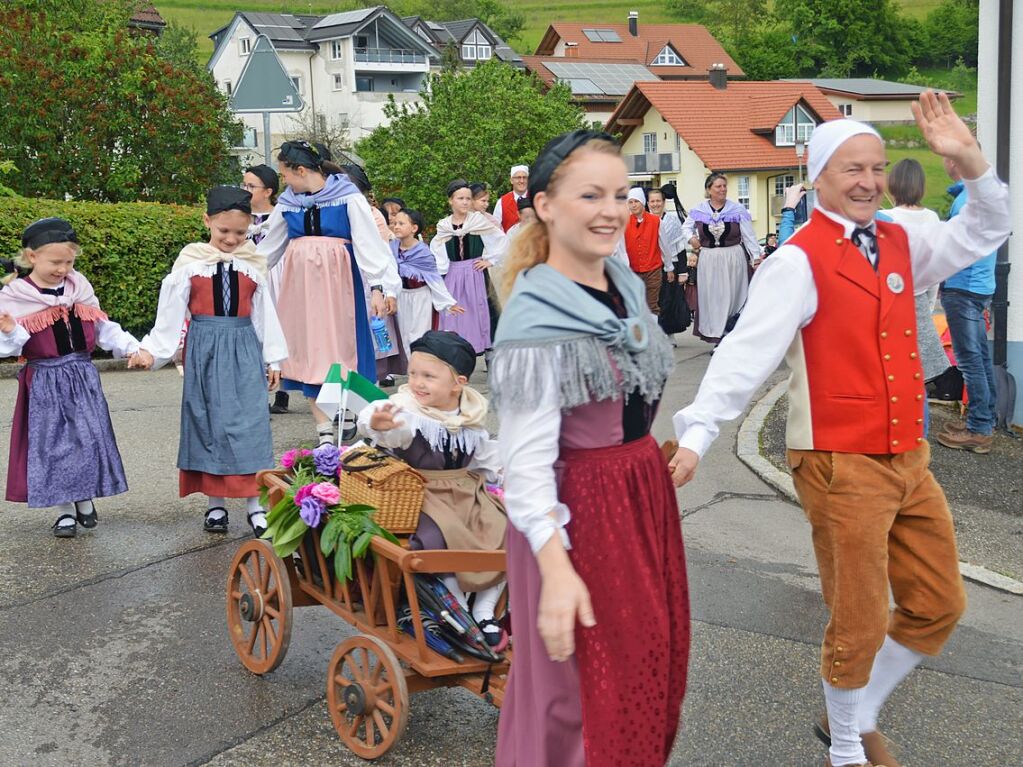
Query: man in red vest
[(836, 301), (642, 245), (506, 211)]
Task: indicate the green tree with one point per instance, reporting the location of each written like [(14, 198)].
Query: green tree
[(99, 115), (843, 38), (474, 125), (951, 32)]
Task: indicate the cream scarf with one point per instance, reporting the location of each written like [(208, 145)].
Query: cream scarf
[(204, 253), (463, 429)]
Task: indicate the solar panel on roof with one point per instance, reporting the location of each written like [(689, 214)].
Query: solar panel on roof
[(611, 79), (592, 35), (609, 36), (582, 85)]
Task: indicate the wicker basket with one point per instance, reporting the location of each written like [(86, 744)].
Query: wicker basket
[(390, 485)]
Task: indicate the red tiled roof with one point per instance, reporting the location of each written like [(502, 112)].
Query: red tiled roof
[(536, 65), (692, 42), (729, 129)]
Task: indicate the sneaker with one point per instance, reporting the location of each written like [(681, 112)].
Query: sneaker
[(218, 525), (967, 440), (954, 426)]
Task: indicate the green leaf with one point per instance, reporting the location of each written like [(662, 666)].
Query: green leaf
[(330, 534), (343, 563), (287, 549), (362, 543)]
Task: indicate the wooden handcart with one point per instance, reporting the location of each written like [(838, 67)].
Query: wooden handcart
[(370, 675)]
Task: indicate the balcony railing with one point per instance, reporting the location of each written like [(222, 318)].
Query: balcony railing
[(389, 56), (652, 162)]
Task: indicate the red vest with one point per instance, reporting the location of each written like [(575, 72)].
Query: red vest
[(641, 243), (509, 211), (857, 383)]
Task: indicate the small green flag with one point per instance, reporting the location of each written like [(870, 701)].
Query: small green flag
[(351, 392)]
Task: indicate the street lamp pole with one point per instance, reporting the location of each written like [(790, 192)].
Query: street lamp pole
[(800, 149)]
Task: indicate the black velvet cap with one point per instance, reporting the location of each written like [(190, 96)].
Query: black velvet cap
[(358, 177), (46, 231), (555, 152), (221, 198), (524, 202), (267, 175), (304, 154), (448, 347), (454, 186)]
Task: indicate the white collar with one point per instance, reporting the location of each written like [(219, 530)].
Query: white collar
[(847, 225)]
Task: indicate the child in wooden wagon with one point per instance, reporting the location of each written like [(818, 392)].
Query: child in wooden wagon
[(435, 424)]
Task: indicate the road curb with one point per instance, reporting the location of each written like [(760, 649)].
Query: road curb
[(748, 450), (103, 364)]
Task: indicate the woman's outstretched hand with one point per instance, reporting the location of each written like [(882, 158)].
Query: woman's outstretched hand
[(683, 466)]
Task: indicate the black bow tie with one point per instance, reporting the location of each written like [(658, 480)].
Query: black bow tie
[(866, 241), (53, 291)]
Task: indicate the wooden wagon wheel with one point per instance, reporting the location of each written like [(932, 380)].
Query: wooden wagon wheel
[(367, 695), (259, 613)]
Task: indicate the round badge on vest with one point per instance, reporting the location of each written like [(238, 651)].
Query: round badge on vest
[(895, 283)]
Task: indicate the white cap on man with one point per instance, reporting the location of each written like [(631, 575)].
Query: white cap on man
[(518, 169), (637, 194), (827, 138)]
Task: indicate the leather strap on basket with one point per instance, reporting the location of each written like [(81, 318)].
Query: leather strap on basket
[(374, 460)]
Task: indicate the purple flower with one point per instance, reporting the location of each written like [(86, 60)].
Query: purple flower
[(326, 459), (311, 509)]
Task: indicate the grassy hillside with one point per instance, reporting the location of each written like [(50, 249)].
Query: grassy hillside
[(207, 15)]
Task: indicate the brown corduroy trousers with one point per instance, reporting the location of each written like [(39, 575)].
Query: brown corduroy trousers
[(879, 521), (652, 281)]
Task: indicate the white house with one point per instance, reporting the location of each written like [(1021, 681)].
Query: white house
[(344, 65), (868, 99)]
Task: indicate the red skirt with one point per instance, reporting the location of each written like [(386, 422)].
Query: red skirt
[(629, 671)]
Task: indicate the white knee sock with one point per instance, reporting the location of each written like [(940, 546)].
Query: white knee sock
[(892, 664), (66, 508), (843, 707), (486, 600), (255, 511), (216, 500)]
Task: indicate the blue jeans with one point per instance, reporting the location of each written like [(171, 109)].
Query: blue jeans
[(965, 316)]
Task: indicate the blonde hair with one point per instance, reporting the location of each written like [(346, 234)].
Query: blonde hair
[(22, 262), (532, 243)]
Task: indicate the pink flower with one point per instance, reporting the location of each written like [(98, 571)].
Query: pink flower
[(496, 490), (288, 459), (303, 492), (327, 492), (304, 452)]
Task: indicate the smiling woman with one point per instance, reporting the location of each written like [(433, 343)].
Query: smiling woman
[(577, 374)]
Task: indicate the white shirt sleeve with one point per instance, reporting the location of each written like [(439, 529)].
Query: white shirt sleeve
[(495, 247), (110, 336), (11, 343), (688, 229), (441, 296), (487, 460), (499, 210), (372, 254), (275, 242), (528, 448), (939, 250), (782, 299), (749, 239), (397, 438), (440, 252), (620, 252), (171, 311), (268, 328)]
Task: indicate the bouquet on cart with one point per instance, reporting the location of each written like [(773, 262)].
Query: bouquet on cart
[(313, 500)]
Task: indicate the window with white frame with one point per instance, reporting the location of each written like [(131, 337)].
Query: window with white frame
[(245, 46), (649, 143), (339, 81), (668, 58), (845, 109), (336, 50), (796, 125), (296, 80), (228, 88), (742, 191), (476, 47), (781, 183)]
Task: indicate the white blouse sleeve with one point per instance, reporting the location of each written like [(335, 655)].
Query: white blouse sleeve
[(268, 328), (110, 336), (11, 343), (440, 252), (163, 340), (397, 438), (495, 247), (487, 460), (499, 211), (275, 242), (371, 253), (688, 229), (441, 296), (528, 448), (749, 239)]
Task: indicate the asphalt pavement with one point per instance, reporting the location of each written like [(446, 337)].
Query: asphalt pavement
[(114, 648)]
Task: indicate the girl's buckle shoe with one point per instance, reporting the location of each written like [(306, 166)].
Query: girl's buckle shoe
[(65, 531), (88, 521), (215, 525)]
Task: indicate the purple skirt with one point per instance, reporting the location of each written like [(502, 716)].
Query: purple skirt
[(469, 288), (62, 442)]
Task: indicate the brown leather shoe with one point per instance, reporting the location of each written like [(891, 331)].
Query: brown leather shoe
[(966, 440), (952, 427), (875, 745)]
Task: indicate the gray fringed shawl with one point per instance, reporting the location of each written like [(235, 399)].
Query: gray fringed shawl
[(553, 334)]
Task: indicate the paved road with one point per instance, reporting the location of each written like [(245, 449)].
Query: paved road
[(113, 647)]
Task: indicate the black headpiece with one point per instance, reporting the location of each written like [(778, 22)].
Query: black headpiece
[(478, 187), (267, 175), (448, 347), (304, 154), (523, 203), (46, 231), (396, 200), (221, 198), (555, 152), (458, 183), (358, 177), (670, 192)]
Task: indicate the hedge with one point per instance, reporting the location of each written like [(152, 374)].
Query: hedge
[(127, 248)]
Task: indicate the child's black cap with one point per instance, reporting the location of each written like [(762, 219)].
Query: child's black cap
[(448, 347)]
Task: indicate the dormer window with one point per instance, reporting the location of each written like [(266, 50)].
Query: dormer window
[(795, 125), (668, 57), (476, 47)]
